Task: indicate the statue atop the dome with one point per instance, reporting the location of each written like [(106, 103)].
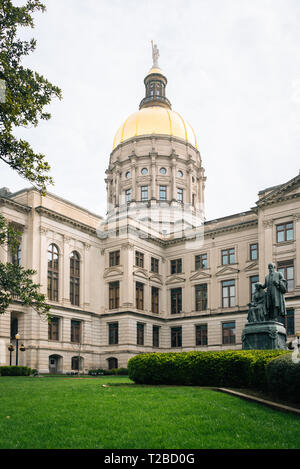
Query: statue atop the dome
[(155, 55)]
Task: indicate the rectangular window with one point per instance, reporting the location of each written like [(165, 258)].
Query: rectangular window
[(128, 195), (176, 300), (285, 232), (155, 336), (140, 333), (154, 265), (201, 261), (75, 331), (253, 280), (228, 333), (162, 192), (114, 295), (180, 195), (155, 300), (228, 256), (228, 293), (114, 258), (139, 295), (144, 193), (113, 333), (176, 336), (176, 266), (139, 259), (53, 329), (201, 334), (254, 252), (52, 285), (201, 297), (289, 322), (287, 270)]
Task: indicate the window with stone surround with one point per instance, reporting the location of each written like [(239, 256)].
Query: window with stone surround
[(155, 300), (284, 232), (75, 331), (113, 333), (176, 300), (201, 334), (139, 295), (201, 297), (144, 193), (176, 266), (254, 252), (74, 278), (140, 329), (228, 293), (253, 280), (201, 261), (176, 336), (154, 265), (53, 328), (139, 259), (114, 258), (287, 270), (228, 333), (53, 272), (114, 295), (228, 256), (155, 336)]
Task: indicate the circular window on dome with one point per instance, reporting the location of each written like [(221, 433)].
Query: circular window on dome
[(144, 171), (179, 174), (162, 170), (127, 175)]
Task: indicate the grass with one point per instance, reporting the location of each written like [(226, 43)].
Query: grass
[(72, 413)]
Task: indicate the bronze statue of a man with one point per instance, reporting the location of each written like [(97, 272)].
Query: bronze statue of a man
[(276, 286)]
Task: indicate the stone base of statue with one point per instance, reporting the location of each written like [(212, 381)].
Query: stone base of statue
[(267, 335)]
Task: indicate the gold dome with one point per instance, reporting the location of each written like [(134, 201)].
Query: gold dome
[(155, 120)]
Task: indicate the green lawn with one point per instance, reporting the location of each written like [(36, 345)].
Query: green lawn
[(69, 413)]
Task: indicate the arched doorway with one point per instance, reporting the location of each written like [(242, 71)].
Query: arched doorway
[(112, 363), (55, 364)]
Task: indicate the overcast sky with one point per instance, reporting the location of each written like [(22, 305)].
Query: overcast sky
[(233, 69)]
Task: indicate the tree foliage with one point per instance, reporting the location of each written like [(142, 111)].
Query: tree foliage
[(26, 94), (16, 282)]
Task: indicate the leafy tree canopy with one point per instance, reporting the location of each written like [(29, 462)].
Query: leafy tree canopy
[(25, 93)]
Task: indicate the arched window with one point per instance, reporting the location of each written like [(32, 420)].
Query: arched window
[(53, 271), (74, 278)]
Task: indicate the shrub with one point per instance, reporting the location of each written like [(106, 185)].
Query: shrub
[(283, 377), (232, 368), (15, 371), (96, 372)]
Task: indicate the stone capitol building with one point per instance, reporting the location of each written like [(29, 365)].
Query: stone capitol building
[(153, 275)]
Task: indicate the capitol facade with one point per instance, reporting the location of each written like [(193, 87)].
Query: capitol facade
[(153, 275)]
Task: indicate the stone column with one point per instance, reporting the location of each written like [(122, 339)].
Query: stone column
[(153, 176)]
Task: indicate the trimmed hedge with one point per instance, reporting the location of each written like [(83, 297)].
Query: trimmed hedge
[(231, 368), (113, 371), (15, 371), (283, 377)]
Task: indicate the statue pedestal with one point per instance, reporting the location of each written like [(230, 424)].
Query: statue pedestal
[(267, 335)]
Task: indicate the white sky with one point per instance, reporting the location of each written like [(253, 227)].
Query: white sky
[(233, 73)]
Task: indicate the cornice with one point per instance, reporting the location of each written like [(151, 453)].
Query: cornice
[(66, 220), (16, 205)]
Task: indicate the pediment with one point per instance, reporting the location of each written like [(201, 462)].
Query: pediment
[(199, 275), (112, 271), (174, 279), (141, 273), (156, 278), (252, 266), (288, 190), (227, 271)]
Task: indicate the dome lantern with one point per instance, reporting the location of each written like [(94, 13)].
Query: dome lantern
[(155, 84)]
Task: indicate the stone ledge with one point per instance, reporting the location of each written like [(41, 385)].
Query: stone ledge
[(272, 404)]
